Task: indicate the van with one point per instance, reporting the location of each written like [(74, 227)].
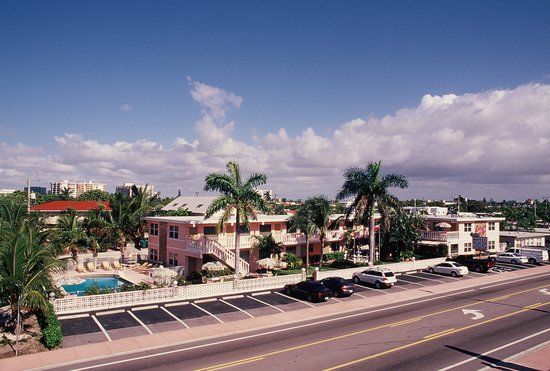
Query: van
[(536, 254)]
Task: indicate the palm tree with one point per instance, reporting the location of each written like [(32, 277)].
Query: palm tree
[(370, 191), (69, 236), (237, 197)]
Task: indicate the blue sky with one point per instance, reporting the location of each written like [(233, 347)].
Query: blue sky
[(116, 71)]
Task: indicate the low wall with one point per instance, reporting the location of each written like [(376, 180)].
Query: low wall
[(144, 297)]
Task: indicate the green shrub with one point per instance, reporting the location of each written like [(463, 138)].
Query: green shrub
[(293, 261), (343, 264), (52, 336), (126, 287), (142, 286), (333, 256), (194, 277), (92, 290)]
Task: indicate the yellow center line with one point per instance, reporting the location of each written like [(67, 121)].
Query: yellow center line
[(360, 332), (405, 322), (437, 334), (378, 355), (232, 364)]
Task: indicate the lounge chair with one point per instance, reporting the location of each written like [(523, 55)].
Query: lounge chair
[(80, 267), (91, 266), (105, 265), (116, 265)]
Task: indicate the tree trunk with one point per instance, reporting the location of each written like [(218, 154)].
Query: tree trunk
[(371, 237), (307, 254), (322, 248), (237, 245)]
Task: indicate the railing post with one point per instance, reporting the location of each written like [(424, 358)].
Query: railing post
[(304, 274)]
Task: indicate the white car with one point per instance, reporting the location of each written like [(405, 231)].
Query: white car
[(535, 254), (377, 277), (509, 257), (451, 268)]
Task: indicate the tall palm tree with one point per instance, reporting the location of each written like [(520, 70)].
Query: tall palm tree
[(236, 197), (301, 221), (370, 191), (69, 236)]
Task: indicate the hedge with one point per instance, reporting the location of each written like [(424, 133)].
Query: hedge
[(52, 336)]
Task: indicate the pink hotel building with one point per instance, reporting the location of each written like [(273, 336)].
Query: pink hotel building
[(186, 240)]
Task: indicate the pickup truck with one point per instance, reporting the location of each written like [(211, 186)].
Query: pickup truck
[(479, 264)]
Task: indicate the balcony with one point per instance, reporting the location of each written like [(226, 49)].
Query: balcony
[(438, 236)]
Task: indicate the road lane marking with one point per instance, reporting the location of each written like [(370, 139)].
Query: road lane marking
[(236, 307), (476, 312), (401, 287), (339, 301), (207, 312), (280, 330), (414, 283), (233, 364), (429, 279), (140, 322), (438, 275), (72, 316), (168, 305), (144, 308), (116, 311), (205, 300), (173, 316), (360, 295), (101, 328), (492, 366), (406, 322), (263, 302), (435, 336), (233, 297), (260, 293), (545, 291), (377, 290), (298, 300), (494, 350)]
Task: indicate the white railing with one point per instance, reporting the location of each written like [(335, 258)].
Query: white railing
[(211, 246), (438, 235), (394, 267)]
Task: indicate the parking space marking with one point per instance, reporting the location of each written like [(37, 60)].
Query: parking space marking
[(145, 308), (478, 274), (234, 306), (116, 311), (205, 300), (339, 301), (207, 312), (233, 297), (74, 316), (298, 300), (176, 304), (377, 290), (174, 317), (140, 322), (263, 302), (414, 283), (260, 293), (429, 279), (438, 275), (401, 287), (101, 328), (361, 296)]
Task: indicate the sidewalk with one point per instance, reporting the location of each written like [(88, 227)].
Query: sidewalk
[(537, 359), (171, 338)]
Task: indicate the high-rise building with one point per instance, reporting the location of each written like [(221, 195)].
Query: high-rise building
[(38, 190), (126, 189), (75, 188)]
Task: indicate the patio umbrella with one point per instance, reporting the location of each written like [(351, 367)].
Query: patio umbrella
[(267, 262), (443, 225), (163, 276), (213, 266)]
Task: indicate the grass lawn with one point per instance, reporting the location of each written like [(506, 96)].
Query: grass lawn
[(285, 272)]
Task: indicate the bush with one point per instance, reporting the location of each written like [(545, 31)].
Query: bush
[(92, 290), (343, 264), (334, 256), (52, 336), (194, 277), (293, 261), (220, 273), (142, 286)]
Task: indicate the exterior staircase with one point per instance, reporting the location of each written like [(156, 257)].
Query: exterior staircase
[(224, 255)]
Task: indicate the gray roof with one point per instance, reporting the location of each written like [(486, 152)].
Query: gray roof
[(523, 234), (195, 204)]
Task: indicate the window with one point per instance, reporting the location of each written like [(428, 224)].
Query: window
[(467, 227), (154, 254), (310, 248), (492, 245), (491, 226), (454, 248), (265, 229), (209, 231), (173, 232), (291, 250), (245, 255), (154, 229), (243, 229), (335, 246), (467, 247), (193, 231), (173, 259)]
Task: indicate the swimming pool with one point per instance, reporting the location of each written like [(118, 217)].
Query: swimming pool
[(101, 282)]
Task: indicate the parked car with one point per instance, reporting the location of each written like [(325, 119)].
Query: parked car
[(309, 290), (338, 286), (534, 254), (508, 257), (450, 268), (479, 264), (377, 277)]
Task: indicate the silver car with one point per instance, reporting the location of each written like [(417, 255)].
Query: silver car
[(377, 277), (449, 268), (512, 258)]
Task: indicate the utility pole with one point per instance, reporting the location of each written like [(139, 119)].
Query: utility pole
[(28, 195)]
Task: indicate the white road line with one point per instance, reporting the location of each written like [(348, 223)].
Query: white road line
[(74, 316), (116, 311), (339, 301), (478, 274), (414, 283), (260, 293), (285, 329), (429, 279), (400, 287), (263, 302), (492, 366), (207, 312), (176, 304), (495, 350), (140, 322), (205, 300), (377, 290), (145, 308), (174, 317), (298, 300), (101, 328), (437, 275), (233, 297), (236, 307), (358, 294)]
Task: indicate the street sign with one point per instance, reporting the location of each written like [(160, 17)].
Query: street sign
[(479, 242)]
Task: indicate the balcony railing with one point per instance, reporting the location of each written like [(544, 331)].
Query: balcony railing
[(438, 235)]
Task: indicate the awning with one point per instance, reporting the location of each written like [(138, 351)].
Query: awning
[(443, 225)]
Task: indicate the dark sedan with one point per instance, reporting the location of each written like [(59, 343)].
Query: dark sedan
[(338, 286), (309, 290)]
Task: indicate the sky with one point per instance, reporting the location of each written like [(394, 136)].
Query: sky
[(454, 95)]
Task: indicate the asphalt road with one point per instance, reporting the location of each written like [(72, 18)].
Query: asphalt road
[(454, 330)]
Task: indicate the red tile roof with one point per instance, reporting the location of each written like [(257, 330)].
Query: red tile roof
[(76, 205)]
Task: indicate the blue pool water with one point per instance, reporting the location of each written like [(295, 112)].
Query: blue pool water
[(101, 282)]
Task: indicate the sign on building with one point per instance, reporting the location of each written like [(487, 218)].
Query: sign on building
[(479, 242)]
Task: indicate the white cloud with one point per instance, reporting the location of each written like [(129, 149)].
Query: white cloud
[(493, 143), (126, 107)]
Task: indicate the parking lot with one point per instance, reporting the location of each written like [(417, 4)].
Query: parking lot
[(132, 321)]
